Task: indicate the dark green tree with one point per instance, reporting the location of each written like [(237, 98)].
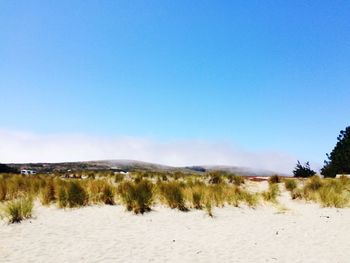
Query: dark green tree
[(7, 169), (339, 159), (303, 170)]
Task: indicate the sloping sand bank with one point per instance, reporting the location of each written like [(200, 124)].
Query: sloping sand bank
[(306, 233)]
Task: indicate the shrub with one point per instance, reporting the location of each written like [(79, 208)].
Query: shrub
[(173, 195), (290, 184), (303, 170), (19, 209), (339, 159), (77, 195)]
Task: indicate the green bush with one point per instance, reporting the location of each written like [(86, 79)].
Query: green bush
[(303, 170), (339, 159)]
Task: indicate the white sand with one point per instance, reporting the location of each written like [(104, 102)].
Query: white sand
[(305, 233)]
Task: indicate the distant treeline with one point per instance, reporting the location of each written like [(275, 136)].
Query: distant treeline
[(7, 169)]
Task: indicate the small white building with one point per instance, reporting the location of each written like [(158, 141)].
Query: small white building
[(27, 172)]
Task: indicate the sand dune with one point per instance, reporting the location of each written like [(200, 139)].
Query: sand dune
[(304, 233)]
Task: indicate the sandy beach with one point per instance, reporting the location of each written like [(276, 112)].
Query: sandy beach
[(294, 231)]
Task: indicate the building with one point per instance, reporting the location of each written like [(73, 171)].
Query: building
[(27, 172)]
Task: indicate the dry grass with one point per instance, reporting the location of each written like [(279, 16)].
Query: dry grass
[(139, 191), (275, 179), (290, 184), (76, 195), (328, 192), (19, 209), (48, 193), (272, 193), (236, 179), (137, 196), (171, 193)]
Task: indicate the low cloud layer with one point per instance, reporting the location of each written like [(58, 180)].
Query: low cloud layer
[(28, 147)]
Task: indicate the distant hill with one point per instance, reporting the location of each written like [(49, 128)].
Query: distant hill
[(132, 165)]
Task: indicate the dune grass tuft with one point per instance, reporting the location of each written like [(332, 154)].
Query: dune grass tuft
[(290, 184), (272, 193), (236, 179), (330, 197), (48, 194), (137, 196), (274, 179), (108, 195), (76, 195), (172, 194), (3, 189), (18, 209)]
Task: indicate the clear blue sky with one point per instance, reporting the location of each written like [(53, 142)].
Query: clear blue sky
[(261, 74)]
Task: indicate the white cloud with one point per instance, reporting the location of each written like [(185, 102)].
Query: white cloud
[(29, 147)]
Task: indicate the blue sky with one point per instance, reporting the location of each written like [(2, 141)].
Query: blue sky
[(261, 75)]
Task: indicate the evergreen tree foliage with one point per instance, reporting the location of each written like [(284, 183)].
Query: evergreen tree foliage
[(339, 159), (303, 170)]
